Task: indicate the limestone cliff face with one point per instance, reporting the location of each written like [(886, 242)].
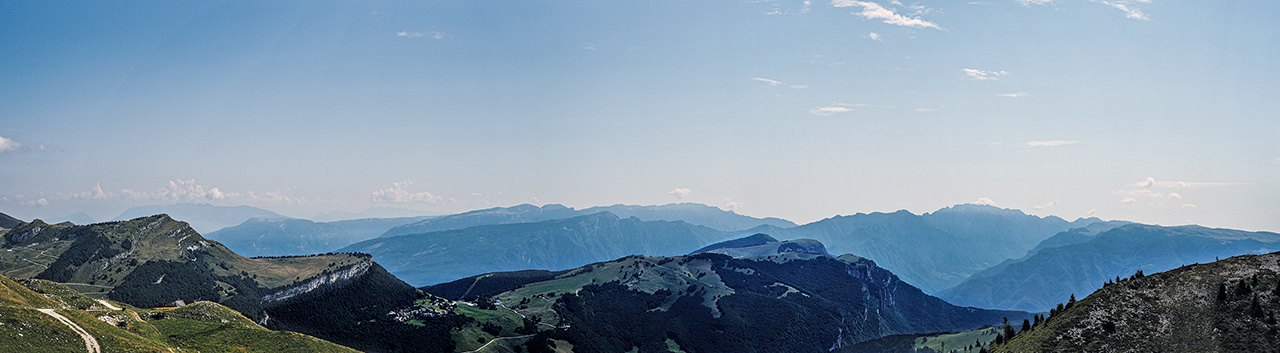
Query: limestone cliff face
[(321, 282)]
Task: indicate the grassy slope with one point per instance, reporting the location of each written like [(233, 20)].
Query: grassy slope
[(957, 340), (203, 327), (1177, 310)]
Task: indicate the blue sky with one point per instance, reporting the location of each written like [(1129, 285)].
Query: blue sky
[(1151, 111)]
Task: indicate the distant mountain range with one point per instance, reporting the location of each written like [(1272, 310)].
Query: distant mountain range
[(1222, 306), (372, 212), (79, 218), (1086, 261), (933, 251), (435, 257), (291, 236), (202, 217), (696, 214), (708, 302)]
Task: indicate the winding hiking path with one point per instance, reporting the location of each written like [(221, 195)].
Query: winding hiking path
[(108, 305), (90, 343), (496, 339)]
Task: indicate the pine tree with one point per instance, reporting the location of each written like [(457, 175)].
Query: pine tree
[(1026, 325), (1255, 308), (1242, 289), (1222, 293), (1072, 301)]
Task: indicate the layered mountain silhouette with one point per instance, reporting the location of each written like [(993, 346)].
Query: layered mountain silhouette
[(691, 213), (202, 217), (372, 212), (291, 236), (443, 256), (1044, 278), (933, 251)]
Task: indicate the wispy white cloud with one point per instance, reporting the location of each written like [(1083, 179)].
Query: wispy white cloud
[(874, 11), (35, 202), (1128, 200), (397, 194), (842, 108), (981, 75), (777, 9), (765, 80), (859, 105), (985, 201), (1151, 182), (777, 83), (1175, 195), (873, 36), (926, 110), (176, 191), (1050, 143), (1050, 204), (1139, 192), (680, 193), (1034, 2), (1127, 7), (827, 111), (730, 204), (1187, 205), (8, 145), (433, 34), (1012, 95)]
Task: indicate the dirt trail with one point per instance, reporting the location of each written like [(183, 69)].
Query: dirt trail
[(108, 305), (496, 339), (90, 343)]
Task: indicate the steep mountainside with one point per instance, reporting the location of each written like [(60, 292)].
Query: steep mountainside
[(1223, 306), (202, 217), (8, 222), (691, 213), (202, 326), (715, 303), (558, 244), (1040, 281), (151, 261), (934, 251), (290, 236)]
